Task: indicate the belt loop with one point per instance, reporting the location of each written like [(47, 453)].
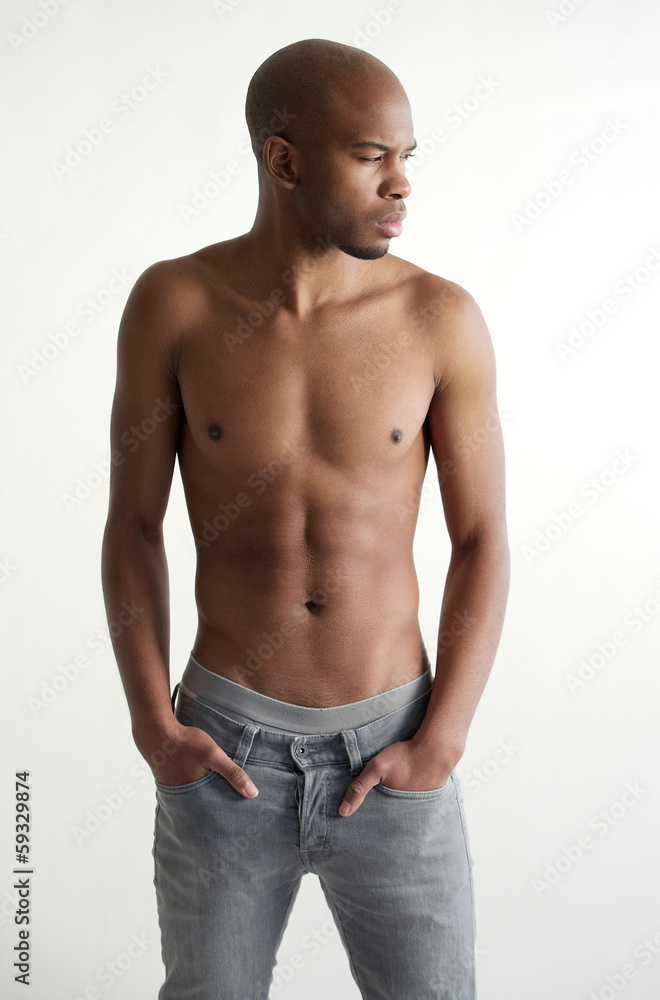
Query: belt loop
[(245, 744), (353, 750), (174, 697)]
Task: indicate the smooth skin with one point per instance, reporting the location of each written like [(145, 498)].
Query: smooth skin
[(302, 446)]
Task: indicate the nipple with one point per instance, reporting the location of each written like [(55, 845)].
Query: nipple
[(396, 435), (214, 432)]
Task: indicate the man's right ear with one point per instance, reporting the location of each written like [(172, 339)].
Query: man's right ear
[(280, 161)]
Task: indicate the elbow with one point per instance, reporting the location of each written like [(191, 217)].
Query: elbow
[(490, 543)]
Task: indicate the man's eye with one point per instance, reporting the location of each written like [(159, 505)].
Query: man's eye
[(375, 159)]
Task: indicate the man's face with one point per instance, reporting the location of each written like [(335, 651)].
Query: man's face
[(353, 172)]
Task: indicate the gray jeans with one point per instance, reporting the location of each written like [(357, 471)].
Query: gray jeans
[(397, 874)]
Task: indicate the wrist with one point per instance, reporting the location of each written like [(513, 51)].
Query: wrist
[(439, 745), (156, 737)]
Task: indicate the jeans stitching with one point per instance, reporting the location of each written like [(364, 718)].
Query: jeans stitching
[(268, 763), (428, 793), (188, 786), (156, 842), (464, 829)]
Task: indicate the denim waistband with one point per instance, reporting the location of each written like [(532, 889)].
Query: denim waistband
[(250, 742), (199, 683)]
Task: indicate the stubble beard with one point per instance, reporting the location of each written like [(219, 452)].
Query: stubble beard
[(362, 252), (339, 231)]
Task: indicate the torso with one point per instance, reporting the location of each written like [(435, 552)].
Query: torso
[(302, 450)]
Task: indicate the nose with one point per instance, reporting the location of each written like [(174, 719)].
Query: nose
[(396, 184)]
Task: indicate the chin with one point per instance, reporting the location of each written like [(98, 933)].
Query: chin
[(365, 253)]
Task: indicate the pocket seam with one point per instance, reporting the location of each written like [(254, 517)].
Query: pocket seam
[(189, 786), (405, 793)]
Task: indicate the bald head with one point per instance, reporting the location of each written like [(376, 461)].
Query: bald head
[(331, 129), (294, 92)]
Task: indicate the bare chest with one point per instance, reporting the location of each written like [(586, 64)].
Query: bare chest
[(350, 391)]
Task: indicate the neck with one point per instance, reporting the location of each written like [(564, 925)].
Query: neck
[(306, 267)]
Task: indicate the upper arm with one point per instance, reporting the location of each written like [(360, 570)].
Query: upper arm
[(463, 422), (146, 410)]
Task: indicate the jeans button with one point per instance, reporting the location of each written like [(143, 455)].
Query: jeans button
[(301, 749)]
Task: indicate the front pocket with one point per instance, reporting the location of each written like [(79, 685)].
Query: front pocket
[(190, 786), (429, 793)]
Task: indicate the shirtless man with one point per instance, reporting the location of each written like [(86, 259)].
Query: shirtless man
[(301, 373)]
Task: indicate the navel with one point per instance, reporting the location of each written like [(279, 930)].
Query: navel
[(312, 606), (214, 432), (396, 435)]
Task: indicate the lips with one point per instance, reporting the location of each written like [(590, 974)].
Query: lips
[(394, 217), (391, 225)]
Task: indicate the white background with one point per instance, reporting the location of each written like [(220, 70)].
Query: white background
[(552, 925)]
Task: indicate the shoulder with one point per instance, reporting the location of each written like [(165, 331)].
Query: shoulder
[(431, 296), (173, 288), (170, 299), (448, 318)]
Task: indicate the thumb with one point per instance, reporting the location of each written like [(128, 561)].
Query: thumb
[(357, 790), (221, 762)]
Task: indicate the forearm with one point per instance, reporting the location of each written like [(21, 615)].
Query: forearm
[(135, 576), (471, 619)]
